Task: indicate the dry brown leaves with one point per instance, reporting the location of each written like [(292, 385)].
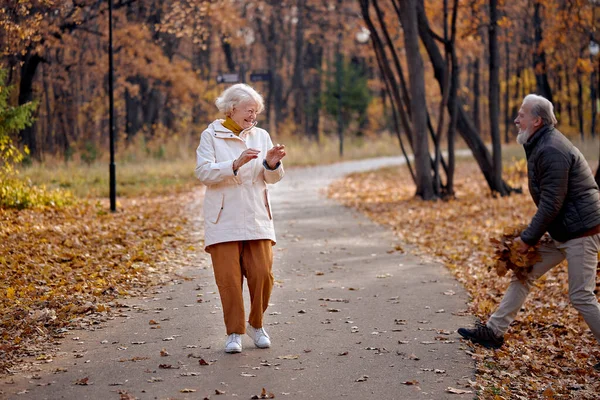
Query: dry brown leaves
[(509, 258), (57, 265), (549, 346)]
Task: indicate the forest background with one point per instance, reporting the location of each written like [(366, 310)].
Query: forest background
[(328, 70), (341, 79)]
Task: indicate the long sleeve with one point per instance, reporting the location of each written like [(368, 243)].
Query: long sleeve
[(553, 170), (208, 171)]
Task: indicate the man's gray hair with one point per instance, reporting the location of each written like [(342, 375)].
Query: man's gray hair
[(238, 94), (541, 107)]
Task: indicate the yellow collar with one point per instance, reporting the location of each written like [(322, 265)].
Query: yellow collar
[(232, 126)]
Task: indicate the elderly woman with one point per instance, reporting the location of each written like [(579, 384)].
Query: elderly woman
[(236, 160)]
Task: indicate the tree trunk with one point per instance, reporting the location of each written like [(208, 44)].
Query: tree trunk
[(391, 85), (226, 47), (464, 125), (506, 92), (580, 102), (539, 56), (388, 75), (517, 93), (28, 70), (494, 96), (593, 101), (418, 104), (569, 104), (557, 99), (476, 95), (339, 60), (314, 55), (298, 77)]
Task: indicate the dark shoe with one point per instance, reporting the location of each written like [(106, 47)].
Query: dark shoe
[(482, 335), (597, 367)]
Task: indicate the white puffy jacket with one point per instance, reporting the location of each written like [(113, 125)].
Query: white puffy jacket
[(236, 207)]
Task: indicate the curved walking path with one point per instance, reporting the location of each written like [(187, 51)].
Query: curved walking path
[(350, 318)]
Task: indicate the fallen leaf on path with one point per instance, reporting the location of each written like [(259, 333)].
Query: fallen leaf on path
[(218, 392), (362, 378), (126, 396), (82, 381), (264, 395), (187, 390), (457, 391), (134, 359), (413, 382), (247, 375), (289, 357)]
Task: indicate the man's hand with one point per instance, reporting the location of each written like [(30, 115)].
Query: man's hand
[(275, 155), (522, 247), (246, 156)]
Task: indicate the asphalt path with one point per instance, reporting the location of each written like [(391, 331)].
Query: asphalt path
[(353, 315)]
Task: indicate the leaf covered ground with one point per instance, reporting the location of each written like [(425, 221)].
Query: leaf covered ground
[(549, 351), (60, 267)]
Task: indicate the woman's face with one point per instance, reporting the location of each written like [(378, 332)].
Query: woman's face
[(244, 114)]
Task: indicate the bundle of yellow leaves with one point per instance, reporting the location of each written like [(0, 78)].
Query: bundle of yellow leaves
[(508, 257)]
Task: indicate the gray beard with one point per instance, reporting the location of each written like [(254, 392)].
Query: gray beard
[(523, 136)]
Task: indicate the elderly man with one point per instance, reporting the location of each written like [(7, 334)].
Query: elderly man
[(563, 188)]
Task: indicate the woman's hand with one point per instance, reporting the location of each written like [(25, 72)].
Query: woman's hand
[(275, 155), (246, 156)]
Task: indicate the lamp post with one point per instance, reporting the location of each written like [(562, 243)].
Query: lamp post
[(594, 49), (111, 101)]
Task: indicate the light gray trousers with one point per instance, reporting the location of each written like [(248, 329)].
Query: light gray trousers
[(582, 257)]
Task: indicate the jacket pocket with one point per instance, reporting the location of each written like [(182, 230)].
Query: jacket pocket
[(267, 204), (213, 206)]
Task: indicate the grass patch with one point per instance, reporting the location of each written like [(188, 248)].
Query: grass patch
[(140, 173)]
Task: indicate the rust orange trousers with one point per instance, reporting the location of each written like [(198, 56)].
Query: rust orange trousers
[(232, 261)]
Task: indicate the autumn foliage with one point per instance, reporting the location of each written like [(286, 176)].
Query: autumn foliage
[(58, 267), (509, 258)]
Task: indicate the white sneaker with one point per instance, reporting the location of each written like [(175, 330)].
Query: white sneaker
[(233, 343), (260, 337)]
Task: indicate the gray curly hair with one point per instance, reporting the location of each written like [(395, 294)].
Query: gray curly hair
[(238, 94), (541, 107)]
